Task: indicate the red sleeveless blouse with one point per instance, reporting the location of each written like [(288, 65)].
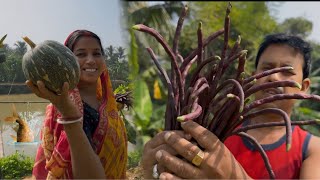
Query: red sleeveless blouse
[(285, 165)]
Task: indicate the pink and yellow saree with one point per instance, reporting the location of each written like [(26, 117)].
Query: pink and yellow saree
[(53, 160)]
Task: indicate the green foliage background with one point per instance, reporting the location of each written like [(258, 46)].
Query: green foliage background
[(251, 20), (15, 166), (11, 69)]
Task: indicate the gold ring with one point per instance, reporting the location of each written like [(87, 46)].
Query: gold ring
[(197, 160)]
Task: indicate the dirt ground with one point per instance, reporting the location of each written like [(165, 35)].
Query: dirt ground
[(135, 173)]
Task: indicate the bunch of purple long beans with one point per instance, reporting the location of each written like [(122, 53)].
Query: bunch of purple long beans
[(220, 106)]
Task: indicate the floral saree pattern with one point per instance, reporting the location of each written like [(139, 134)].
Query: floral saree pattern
[(109, 141)]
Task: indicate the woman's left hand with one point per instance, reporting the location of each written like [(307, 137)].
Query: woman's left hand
[(217, 160)]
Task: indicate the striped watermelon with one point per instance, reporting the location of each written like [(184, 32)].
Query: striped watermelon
[(51, 62)]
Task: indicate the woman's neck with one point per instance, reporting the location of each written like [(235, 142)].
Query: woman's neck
[(88, 95)]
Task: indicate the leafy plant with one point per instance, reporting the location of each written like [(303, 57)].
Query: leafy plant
[(117, 65), (131, 131), (121, 89), (15, 166), (306, 113), (134, 158)]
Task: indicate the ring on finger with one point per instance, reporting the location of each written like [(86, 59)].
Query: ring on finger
[(198, 158), (155, 173)]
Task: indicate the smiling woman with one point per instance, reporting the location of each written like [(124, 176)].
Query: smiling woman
[(83, 136), (91, 59)]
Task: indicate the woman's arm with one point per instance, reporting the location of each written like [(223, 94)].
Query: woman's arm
[(85, 162)]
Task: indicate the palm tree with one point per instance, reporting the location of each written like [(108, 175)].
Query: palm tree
[(21, 47), (121, 53)]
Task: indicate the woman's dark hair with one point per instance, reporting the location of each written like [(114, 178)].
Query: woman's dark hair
[(75, 35), (296, 42)]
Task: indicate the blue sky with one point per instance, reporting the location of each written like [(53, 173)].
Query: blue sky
[(55, 19)]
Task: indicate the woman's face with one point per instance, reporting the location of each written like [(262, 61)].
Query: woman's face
[(91, 60)]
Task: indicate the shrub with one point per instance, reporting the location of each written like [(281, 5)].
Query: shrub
[(16, 166)]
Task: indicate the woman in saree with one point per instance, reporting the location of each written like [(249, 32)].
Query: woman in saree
[(82, 136)]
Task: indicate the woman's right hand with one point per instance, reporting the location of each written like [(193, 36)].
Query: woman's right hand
[(62, 102)]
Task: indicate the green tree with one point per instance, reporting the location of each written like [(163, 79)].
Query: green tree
[(296, 26), (251, 20), (21, 48), (11, 69), (117, 65)]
